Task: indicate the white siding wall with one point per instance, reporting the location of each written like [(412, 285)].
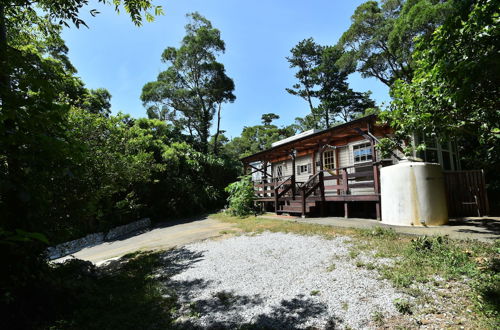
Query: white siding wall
[(304, 160), (346, 158)]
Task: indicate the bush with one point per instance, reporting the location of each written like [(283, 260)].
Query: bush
[(241, 197)]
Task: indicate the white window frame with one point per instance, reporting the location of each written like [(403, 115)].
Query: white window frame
[(300, 168), (327, 156), (353, 146), (454, 160)]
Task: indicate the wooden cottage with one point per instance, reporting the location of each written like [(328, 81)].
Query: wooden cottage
[(329, 172)]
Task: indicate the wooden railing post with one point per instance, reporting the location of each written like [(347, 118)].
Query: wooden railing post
[(303, 194), (322, 192), (345, 183), (276, 200), (376, 186), (293, 186)]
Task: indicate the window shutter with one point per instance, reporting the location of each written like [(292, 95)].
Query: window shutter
[(309, 168), (298, 169)]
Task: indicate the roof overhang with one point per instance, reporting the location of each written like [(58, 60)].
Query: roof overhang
[(328, 136)]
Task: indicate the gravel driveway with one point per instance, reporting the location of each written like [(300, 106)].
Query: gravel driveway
[(280, 281)]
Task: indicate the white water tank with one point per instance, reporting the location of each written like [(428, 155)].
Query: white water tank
[(413, 194)]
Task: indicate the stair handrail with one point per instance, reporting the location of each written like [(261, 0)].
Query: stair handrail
[(285, 190), (306, 190), (305, 184)]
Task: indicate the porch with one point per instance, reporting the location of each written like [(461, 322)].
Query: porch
[(340, 186)]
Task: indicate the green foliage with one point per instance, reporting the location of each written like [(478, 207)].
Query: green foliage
[(403, 306), (321, 79), (268, 118), (195, 85), (69, 10), (256, 138), (97, 101), (241, 197), (380, 41), (455, 91)]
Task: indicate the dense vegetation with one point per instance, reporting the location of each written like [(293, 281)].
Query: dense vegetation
[(69, 167)]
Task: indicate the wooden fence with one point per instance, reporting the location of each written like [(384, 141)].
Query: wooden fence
[(466, 193)]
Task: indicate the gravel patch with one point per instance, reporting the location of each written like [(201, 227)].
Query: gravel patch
[(280, 281)]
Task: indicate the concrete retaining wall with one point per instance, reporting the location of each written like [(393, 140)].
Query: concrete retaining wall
[(63, 249)]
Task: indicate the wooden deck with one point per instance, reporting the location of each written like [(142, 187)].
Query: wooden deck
[(345, 185)]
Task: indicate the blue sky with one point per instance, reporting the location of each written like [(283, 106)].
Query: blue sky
[(115, 54)]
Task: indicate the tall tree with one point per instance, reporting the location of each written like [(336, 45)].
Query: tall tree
[(380, 40), (306, 56), (195, 85), (326, 82)]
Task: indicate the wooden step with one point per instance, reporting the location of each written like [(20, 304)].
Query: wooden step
[(299, 203), (295, 209)]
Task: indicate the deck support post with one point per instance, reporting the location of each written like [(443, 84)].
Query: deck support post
[(264, 177), (376, 186), (345, 183), (276, 200), (321, 178), (292, 154), (322, 192)]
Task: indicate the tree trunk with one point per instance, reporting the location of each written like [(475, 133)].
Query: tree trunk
[(216, 137)]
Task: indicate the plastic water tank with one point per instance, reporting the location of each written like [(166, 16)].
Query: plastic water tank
[(413, 194)]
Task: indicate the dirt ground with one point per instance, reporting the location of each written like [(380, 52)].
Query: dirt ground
[(164, 237)]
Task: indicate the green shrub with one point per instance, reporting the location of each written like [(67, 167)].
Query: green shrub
[(241, 197), (403, 306)]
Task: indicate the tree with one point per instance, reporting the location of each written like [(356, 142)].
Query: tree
[(257, 138), (455, 91), (268, 118), (327, 83), (305, 57), (195, 85), (37, 90), (97, 101), (380, 41), (37, 86)]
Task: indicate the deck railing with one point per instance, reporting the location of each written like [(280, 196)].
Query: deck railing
[(329, 182)]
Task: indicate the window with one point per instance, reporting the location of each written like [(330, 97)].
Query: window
[(279, 171), (443, 152), (362, 153), (301, 169), (329, 159)]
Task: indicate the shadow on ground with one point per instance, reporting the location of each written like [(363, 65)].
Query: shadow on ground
[(137, 292), (478, 225)]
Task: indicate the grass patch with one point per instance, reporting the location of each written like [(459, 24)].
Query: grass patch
[(416, 260), (228, 232), (378, 318), (403, 306), (331, 268), (314, 292)]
